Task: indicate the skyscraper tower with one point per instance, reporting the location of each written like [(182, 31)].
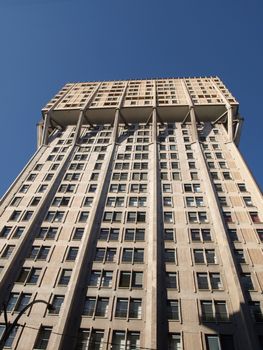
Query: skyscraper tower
[(138, 220)]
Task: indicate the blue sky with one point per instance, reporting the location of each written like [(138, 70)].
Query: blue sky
[(46, 43)]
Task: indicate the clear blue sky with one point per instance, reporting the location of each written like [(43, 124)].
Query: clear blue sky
[(46, 43)]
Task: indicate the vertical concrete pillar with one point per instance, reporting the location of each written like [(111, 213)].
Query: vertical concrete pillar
[(151, 280)]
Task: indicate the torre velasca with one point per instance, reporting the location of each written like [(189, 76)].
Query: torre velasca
[(135, 225)]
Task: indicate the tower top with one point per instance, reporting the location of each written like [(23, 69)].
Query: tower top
[(172, 97)]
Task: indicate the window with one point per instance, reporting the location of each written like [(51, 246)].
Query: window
[(65, 277), (42, 188), (67, 188), (222, 201), (191, 165), (94, 177), (171, 280), (115, 201), (247, 281), (242, 187), (173, 310), (227, 217), (134, 234), (260, 234), (105, 254), (218, 187), (256, 311), (10, 339), (240, 256), (137, 201), (17, 301), (72, 177), (168, 217), (214, 175), (169, 235), (219, 155), (169, 255), (76, 166), (233, 235), (214, 311), (139, 176), (27, 215), (15, 215), (38, 167), (78, 233), (5, 231), (209, 281), (133, 255), (56, 304), (125, 340), (248, 201), (255, 217), (167, 188), (15, 201), (138, 188), (194, 201), (221, 342), (29, 275), (211, 165), (47, 233), (18, 232), (90, 340), (83, 216), (227, 175), (101, 279), (8, 250), (88, 202), (112, 216), (174, 341), (131, 279), (42, 338), (119, 176), (109, 234), (139, 216), (61, 201), (24, 189), (175, 165), (72, 253), (48, 177), (204, 256), (96, 307), (131, 308), (223, 165), (55, 216), (176, 176), (192, 188), (194, 176), (118, 188), (35, 201), (92, 188), (39, 252), (198, 235), (197, 217), (121, 308)]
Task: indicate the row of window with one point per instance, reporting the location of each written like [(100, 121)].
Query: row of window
[(211, 310), (115, 234)]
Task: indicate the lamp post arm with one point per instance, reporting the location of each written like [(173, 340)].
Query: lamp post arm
[(11, 326)]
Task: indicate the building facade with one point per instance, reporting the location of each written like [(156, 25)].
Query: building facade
[(138, 220)]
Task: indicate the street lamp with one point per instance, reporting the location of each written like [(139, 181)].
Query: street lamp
[(10, 326)]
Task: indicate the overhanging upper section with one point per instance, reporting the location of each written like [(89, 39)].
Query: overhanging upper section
[(136, 99)]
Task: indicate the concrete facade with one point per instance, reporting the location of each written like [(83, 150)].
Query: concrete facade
[(138, 220)]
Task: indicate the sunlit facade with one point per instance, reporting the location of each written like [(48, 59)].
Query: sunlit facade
[(138, 220)]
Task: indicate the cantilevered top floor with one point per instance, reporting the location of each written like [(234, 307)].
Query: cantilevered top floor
[(172, 98)]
